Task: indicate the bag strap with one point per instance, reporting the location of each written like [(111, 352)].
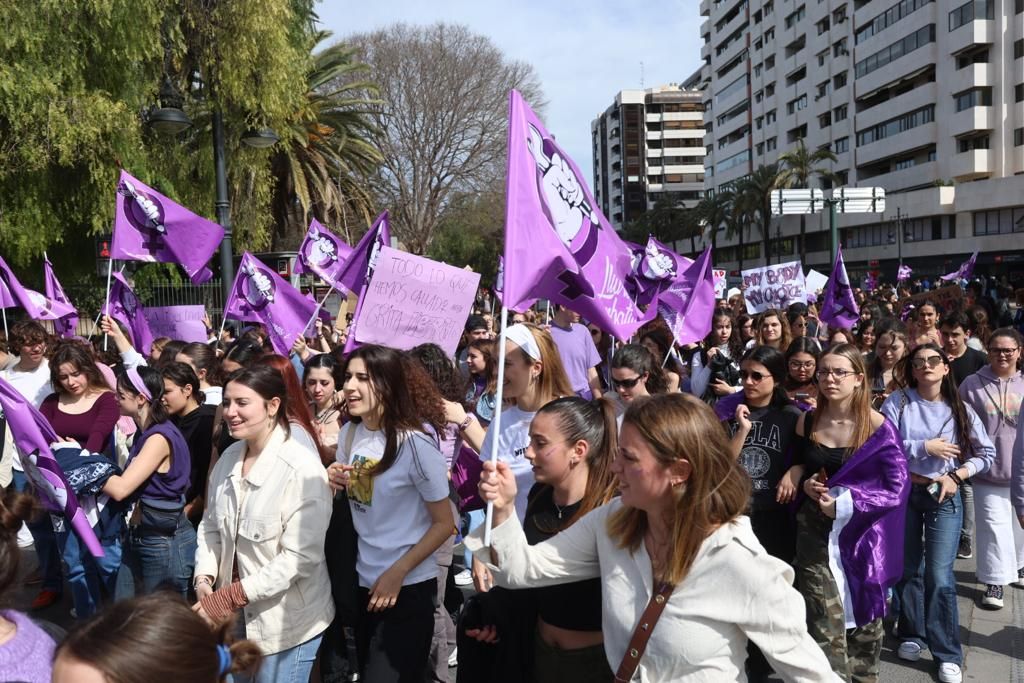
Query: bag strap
[(642, 633), (350, 436)]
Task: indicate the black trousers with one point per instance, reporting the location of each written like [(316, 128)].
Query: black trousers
[(394, 645), (775, 528)]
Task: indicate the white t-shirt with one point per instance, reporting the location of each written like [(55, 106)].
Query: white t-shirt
[(389, 511), (34, 386), (512, 444)]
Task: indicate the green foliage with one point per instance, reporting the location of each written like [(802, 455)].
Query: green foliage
[(77, 80), (471, 234)]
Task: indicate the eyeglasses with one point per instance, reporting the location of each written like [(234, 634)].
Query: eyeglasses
[(930, 361), (753, 376), (839, 373), (1003, 352), (626, 383), (798, 365)]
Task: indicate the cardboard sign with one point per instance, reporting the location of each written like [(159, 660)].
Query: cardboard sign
[(718, 276), (774, 286), (177, 322), (412, 300), (948, 298)]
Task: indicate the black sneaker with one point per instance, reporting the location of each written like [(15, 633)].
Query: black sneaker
[(993, 597), (964, 551), (1019, 583)]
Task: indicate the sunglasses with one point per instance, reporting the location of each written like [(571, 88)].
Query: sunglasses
[(754, 376), (626, 383), (930, 361)]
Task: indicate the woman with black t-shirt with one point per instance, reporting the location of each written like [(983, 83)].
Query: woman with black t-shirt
[(194, 417), (572, 443)]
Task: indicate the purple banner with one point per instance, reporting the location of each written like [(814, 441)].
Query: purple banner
[(323, 253), (67, 325), (177, 322), (687, 305), (839, 307), (261, 295)]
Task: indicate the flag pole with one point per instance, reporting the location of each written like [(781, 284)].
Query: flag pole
[(547, 312), (106, 299), (316, 311), (496, 422), (6, 336)]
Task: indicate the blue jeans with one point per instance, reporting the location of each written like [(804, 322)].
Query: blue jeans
[(476, 518), (45, 542), (288, 666), (93, 580), (159, 560), (928, 610)]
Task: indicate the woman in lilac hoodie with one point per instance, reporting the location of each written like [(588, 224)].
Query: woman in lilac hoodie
[(995, 393)]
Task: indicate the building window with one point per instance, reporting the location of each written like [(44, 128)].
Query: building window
[(769, 117), (887, 18), (760, 149), (796, 16), (970, 144), (840, 113), (978, 97), (839, 81), (1018, 6), (998, 222), (903, 163), (842, 145), (968, 12), (734, 160), (759, 122), (897, 125), (770, 144), (923, 36), (798, 133), (839, 49), (822, 90), (825, 120), (823, 26), (796, 105), (1018, 93), (769, 90), (822, 56), (1018, 48), (1018, 137)]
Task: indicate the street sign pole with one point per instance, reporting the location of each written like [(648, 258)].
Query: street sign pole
[(833, 228)]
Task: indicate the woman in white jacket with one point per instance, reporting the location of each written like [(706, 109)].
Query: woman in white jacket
[(261, 541), (676, 540)]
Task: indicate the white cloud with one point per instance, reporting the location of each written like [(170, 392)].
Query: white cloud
[(583, 52)]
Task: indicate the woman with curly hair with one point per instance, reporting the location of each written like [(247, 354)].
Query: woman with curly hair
[(659, 342), (397, 486)]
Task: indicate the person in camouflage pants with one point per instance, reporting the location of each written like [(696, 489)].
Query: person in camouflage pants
[(853, 653)]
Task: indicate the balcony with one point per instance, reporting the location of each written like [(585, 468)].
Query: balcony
[(972, 164), (705, 51), (977, 32), (915, 99), (915, 138), (973, 76), (921, 58), (705, 8), (895, 181), (971, 119)]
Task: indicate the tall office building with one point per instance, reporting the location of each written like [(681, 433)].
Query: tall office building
[(924, 99), (648, 146)]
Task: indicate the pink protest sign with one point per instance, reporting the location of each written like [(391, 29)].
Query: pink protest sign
[(177, 322), (718, 275), (412, 300)]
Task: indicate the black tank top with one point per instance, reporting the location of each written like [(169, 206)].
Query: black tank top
[(814, 456)]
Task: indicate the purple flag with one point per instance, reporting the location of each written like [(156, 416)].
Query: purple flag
[(965, 271), (688, 303), (870, 524), (66, 325), (654, 269), (150, 227), (839, 308), (358, 267), (13, 293), (870, 282), (33, 436), (323, 253), (261, 295), (903, 274), (124, 307), (558, 245)]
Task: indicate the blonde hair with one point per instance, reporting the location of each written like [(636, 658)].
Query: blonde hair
[(552, 382), (861, 397), (681, 427)]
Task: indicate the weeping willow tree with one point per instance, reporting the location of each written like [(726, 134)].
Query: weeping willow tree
[(78, 79)]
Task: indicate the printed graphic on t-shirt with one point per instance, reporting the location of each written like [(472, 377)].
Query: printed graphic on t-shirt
[(360, 487), (757, 463)]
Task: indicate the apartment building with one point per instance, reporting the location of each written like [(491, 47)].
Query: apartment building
[(922, 98), (648, 146)]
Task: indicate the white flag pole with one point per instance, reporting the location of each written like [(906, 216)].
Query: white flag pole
[(496, 422), (320, 305), (6, 336), (106, 299)]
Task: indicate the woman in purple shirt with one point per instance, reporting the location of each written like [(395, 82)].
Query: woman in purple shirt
[(946, 444)]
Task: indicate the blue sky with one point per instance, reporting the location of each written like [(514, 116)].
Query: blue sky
[(583, 52)]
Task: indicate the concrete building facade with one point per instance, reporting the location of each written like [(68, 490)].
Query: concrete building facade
[(648, 145), (922, 98)]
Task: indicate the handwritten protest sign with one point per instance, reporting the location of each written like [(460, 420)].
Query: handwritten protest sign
[(948, 298), (177, 322), (718, 276), (774, 286), (412, 300), (816, 281)]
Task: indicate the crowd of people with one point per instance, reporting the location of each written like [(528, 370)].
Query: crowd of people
[(779, 497)]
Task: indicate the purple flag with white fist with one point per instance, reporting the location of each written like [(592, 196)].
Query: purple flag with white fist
[(654, 268), (66, 325), (688, 303), (150, 227), (124, 307), (261, 295), (356, 271), (322, 253), (558, 245), (839, 308), (965, 271), (903, 274), (33, 436)]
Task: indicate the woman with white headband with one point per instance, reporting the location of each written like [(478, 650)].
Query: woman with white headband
[(161, 546), (534, 376)]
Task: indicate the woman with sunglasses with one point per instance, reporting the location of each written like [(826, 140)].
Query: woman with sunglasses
[(763, 432), (636, 373), (857, 492), (801, 363), (995, 393), (945, 443), (714, 370)]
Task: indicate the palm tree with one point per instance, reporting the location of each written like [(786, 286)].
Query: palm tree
[(327, 150), (742, 212), (714, 212), (798, 166), (756, 190)]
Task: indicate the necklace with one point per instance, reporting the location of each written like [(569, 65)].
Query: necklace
[(324, 417)]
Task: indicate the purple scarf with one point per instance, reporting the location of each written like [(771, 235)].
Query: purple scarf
[(871, 539)]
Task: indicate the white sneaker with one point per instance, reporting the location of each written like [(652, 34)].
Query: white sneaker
[(950, 673), (453, 658), (909, 651), (464, 578)]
